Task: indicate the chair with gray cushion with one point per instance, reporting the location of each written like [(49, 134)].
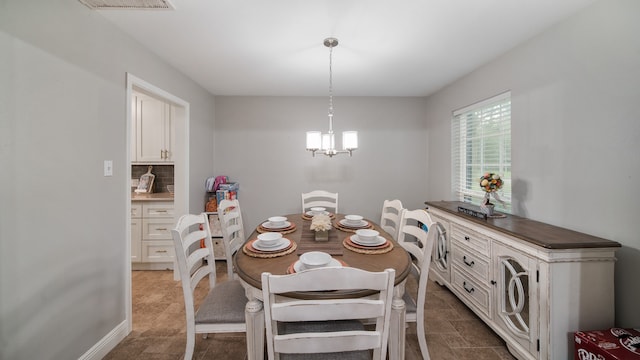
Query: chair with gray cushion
[(326, 328), (419, 243), (390, 218), (232, 228), (320, 198), (222, 310)]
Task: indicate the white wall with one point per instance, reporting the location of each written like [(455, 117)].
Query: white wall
[(62, 224), (260, 142), (575, 128)]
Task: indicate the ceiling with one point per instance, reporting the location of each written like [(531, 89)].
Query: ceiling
[(387, 48)]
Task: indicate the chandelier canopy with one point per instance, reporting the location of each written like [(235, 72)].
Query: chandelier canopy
[(317, 142)]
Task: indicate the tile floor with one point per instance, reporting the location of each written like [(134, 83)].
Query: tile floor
[(453, 331)]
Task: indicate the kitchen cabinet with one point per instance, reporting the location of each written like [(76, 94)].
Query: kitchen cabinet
[(532, 283), (152, 139), (151, 240)]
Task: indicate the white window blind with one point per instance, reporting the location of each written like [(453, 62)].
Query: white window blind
[(481, 143)]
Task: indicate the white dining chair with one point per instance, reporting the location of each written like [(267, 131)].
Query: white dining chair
[(232, 228), (327, 328), (419, 243), (390, 218), (222, 310), (320, 198)]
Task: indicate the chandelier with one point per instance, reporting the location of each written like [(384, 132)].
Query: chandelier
[(318, 142)]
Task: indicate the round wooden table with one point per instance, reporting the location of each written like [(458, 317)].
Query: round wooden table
[(250, 269)]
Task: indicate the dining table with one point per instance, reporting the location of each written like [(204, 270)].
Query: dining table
[(250, 263)]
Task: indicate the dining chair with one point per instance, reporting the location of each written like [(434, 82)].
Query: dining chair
[(419, 243), (232, 228), (332, 327), (222, 310), (390, 218), (320, 198)]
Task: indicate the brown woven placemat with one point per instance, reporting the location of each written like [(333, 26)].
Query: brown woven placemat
[(267, 255), (347, 244), (288, 230), (341, 227), (309, 217)]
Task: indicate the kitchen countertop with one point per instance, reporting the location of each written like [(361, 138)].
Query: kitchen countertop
[(164, 196)]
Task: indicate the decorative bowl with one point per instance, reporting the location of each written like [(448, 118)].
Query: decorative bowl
[(170, 189), (277, 220), (367, 235), (315, 259), (353, 219), (269, 239), (318, 210)]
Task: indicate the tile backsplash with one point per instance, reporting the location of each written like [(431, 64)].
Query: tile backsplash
[(163, 173)]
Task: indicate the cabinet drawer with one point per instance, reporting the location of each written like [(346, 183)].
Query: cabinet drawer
[(218, 248), (471, 262), (156, 229), (160, 209), (470, 238), (157, 251), (136, 209), (475, 294)]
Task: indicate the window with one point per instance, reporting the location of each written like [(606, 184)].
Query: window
[(481, 143)]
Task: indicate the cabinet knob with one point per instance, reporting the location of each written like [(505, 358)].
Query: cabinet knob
[(466, 238), (493, 282)]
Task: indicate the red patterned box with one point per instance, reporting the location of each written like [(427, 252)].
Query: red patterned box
[(610, 344)]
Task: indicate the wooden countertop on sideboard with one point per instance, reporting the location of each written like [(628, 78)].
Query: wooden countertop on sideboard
[(534, 232), (165, 196)]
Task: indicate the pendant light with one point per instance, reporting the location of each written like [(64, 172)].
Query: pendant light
[(325, 144)]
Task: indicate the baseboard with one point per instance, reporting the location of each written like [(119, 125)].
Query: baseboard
[(107, 343)]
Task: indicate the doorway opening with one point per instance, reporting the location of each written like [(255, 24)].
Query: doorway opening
[(179, 155)]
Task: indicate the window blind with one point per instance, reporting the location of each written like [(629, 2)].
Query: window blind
[(481, 143)]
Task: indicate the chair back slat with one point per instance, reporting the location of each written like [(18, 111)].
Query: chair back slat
[(232, 227), (390, 217), (320, 198), (279, 310)]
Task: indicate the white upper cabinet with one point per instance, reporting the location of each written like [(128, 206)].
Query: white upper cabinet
[(152, 130)]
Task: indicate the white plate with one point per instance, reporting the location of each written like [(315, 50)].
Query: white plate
[(297, 266), (267, 225), (283, 244), (347, 224), (379, 241), (310, 213)]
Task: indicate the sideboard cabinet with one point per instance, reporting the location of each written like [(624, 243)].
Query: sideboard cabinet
[(534, 284)]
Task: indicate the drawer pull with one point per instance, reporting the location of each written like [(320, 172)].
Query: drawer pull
[(161, 211), (464, 285), (161, 229), (469, 264), (161, 251), (467, 238)]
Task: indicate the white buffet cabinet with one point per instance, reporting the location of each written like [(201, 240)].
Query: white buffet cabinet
[(534, 284)]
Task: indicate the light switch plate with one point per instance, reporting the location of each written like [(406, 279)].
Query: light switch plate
[(108, 168)]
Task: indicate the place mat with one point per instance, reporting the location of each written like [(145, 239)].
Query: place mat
[(309, 217), (288, 230), (253, 252), (291, 270), (369, 250), (346, 228)]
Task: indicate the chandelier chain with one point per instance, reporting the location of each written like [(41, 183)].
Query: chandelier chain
[(331, 88)]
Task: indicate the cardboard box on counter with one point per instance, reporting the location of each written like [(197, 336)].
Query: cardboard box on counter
[(610, 344)]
